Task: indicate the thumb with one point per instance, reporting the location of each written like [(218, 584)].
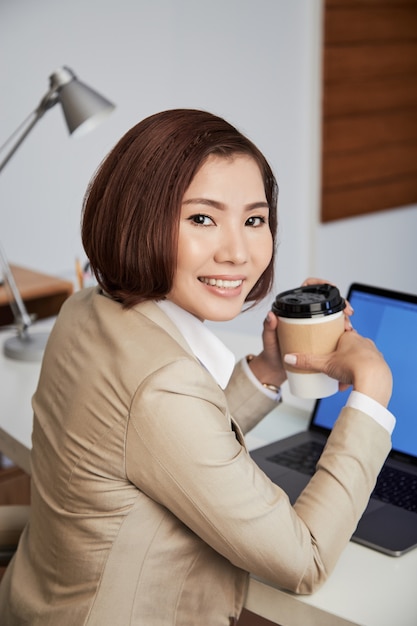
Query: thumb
[(269, 334)]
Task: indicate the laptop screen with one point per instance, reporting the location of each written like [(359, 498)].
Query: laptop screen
[(390, 320)]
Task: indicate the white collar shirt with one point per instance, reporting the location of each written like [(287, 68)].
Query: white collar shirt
[(207, 348)]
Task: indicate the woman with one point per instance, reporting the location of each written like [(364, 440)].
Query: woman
[(146, 506)]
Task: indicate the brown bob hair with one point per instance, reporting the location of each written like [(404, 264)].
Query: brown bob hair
[(132, 206)]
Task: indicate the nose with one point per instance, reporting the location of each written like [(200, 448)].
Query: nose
[(233, 246)]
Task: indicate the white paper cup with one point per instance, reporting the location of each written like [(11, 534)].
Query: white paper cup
[(318, 335), (311, 322)]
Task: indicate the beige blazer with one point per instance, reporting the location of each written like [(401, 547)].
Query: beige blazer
[(146, 506)]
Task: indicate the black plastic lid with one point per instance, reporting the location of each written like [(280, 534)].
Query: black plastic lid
[(309, 301)]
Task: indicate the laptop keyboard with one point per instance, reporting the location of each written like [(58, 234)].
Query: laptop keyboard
[(302, 458), (393, 486), (397, 487)]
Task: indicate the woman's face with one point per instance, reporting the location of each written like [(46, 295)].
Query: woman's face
[(224, 240)]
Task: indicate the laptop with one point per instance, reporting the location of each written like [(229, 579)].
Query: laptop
[(389, 524)]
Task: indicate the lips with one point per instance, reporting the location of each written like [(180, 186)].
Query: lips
[(221, 283)]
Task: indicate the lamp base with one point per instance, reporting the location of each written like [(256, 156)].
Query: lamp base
[(27, 347)]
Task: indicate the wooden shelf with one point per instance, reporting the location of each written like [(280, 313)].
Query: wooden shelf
[(42, 294)]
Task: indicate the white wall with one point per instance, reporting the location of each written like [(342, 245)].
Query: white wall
[(255, 62), (377, 249)]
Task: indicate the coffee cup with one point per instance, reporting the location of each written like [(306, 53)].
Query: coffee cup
[(311, 320)]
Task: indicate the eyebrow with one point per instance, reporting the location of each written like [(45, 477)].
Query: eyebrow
[(219, 205)]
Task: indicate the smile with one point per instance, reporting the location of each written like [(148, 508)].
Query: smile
[(221, 284)]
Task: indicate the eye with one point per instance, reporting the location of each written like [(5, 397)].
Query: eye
[(201, 220), (255, 221)]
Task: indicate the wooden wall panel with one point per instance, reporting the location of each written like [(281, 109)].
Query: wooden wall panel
[(359, 133), (390, 21), (369, 143), (371, 165), (353, 200), (358, 96)]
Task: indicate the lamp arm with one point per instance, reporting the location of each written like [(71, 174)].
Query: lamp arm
[(46, 103), (21, 316)]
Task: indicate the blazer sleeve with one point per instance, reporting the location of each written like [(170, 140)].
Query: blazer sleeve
[(246, 402), (182, 452)]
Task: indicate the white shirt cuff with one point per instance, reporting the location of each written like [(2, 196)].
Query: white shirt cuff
[(371, 407), (267, 392)]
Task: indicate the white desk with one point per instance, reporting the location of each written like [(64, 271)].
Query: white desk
[(366, 588)]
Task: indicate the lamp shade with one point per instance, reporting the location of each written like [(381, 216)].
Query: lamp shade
[(83, 107)]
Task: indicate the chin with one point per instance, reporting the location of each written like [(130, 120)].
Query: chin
[(219, 317)]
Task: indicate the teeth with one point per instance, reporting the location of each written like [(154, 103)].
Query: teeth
[(225, 284)]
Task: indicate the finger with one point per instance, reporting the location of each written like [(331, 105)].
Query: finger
[(314, 363), (269, 334), (348, 310), (343, 386), (348, 323), (270, 322), (316, 281)]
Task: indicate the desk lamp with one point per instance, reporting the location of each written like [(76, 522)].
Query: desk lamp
[(83, 110)]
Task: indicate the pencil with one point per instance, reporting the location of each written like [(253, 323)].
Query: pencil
[(79, 273)]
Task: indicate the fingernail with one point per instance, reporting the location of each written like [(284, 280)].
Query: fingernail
[(290, 359), (268, 317)]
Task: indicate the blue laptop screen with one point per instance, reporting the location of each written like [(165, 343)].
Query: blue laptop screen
[(392, 324)]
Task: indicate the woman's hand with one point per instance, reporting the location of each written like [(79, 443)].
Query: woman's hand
[(268, 366), (356, 361)]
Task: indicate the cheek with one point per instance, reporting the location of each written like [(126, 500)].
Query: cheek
[(264, 251), (190, 252), (187, 251)]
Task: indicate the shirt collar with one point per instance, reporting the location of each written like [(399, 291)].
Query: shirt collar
[(204, 344)]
